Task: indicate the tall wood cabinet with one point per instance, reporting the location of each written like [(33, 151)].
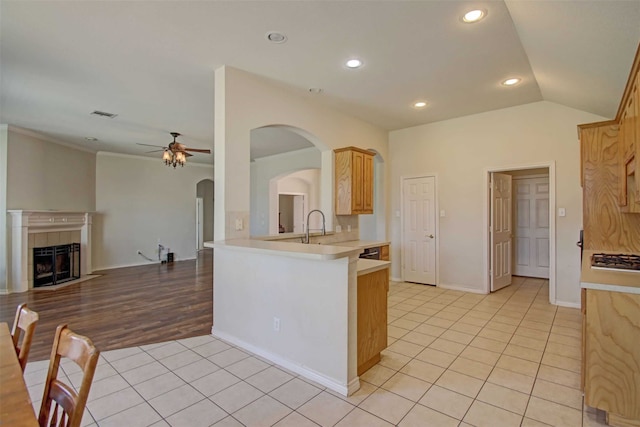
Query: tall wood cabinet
[(629, 139), (354, 181)]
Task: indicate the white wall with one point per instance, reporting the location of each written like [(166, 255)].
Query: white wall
[(460, 151), (262, 172), (244, 101), (314, 300), (44, 175), (38, 174), (140, 200)]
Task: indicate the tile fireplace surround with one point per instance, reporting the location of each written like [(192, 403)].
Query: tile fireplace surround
[(32, 228)]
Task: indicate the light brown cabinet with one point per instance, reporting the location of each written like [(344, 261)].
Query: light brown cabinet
[(354, 181), (384, 253), (372, 317), (629, 150), (611, 354)]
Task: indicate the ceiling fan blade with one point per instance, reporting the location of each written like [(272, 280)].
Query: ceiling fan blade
[(154, 151), (187, 154), (198, 150), (150, 145)]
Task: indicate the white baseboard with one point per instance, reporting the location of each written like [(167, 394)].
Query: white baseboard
[(568, 304), (137, 264), (462, 288), (343, 389), (395, 279)]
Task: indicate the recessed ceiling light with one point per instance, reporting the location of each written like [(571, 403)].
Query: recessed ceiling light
[(511, 81), (420, 104), (275, 37), (354, 63), (474, 15), (91, 138), (315, 90)]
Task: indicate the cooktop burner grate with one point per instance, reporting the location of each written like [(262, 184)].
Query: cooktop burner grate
[(618, 261)]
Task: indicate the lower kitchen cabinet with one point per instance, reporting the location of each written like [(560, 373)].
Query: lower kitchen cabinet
[(611, 362), (372, 317), (384, 252)]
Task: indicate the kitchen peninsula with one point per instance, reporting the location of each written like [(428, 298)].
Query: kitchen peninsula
[(297, 305)]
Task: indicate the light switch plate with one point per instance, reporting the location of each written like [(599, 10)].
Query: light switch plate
[(562, 212), (442, 213)]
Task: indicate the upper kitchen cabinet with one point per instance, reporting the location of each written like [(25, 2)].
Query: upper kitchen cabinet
[(629, 140), (354, 181)]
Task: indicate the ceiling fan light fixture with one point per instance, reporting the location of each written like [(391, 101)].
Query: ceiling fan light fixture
[(474, 16)]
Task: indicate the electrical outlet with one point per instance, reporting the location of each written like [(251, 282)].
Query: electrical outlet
[(348, 228), (276, 324)]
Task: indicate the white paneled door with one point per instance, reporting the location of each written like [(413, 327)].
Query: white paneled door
[(501, 231), (419, 230), (531, 213)]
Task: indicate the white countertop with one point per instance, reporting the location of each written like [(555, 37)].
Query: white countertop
[(284, 236), (607, 280), (292, 249), (362, 244), (366, 266)]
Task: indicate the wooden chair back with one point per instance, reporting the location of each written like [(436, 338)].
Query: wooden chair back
[(68, 405), (24, 324)]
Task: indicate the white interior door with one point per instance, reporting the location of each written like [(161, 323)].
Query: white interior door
[(500, 230), (531, 213), (419, 230), (199, 223)]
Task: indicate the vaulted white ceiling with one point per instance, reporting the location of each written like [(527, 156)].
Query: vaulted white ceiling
[(152, 62)]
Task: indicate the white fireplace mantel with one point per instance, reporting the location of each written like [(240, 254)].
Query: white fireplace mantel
[(25, 222)]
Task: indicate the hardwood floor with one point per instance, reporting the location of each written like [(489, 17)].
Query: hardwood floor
[(124, 307)]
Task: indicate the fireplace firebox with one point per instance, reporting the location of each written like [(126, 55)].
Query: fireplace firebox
[(53, 265)]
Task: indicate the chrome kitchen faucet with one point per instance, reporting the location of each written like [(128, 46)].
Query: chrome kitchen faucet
[(324, 232)]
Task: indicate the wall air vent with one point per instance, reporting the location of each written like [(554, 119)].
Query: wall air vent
[(103, 114)]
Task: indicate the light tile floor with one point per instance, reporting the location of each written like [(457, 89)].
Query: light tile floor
[(454, 359)]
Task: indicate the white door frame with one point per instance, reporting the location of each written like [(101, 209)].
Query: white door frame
[(199, 223), (552, 222), (437, 215)]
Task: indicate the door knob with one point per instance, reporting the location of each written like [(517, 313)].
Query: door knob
[(430, 236)]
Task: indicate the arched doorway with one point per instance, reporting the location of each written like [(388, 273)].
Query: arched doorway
[(204, 212)]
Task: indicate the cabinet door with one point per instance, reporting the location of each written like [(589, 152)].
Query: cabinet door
[(357, 190), (622, 161), (384, 252), (636, 125), (367, 185), (612, 353), (372, 318)]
